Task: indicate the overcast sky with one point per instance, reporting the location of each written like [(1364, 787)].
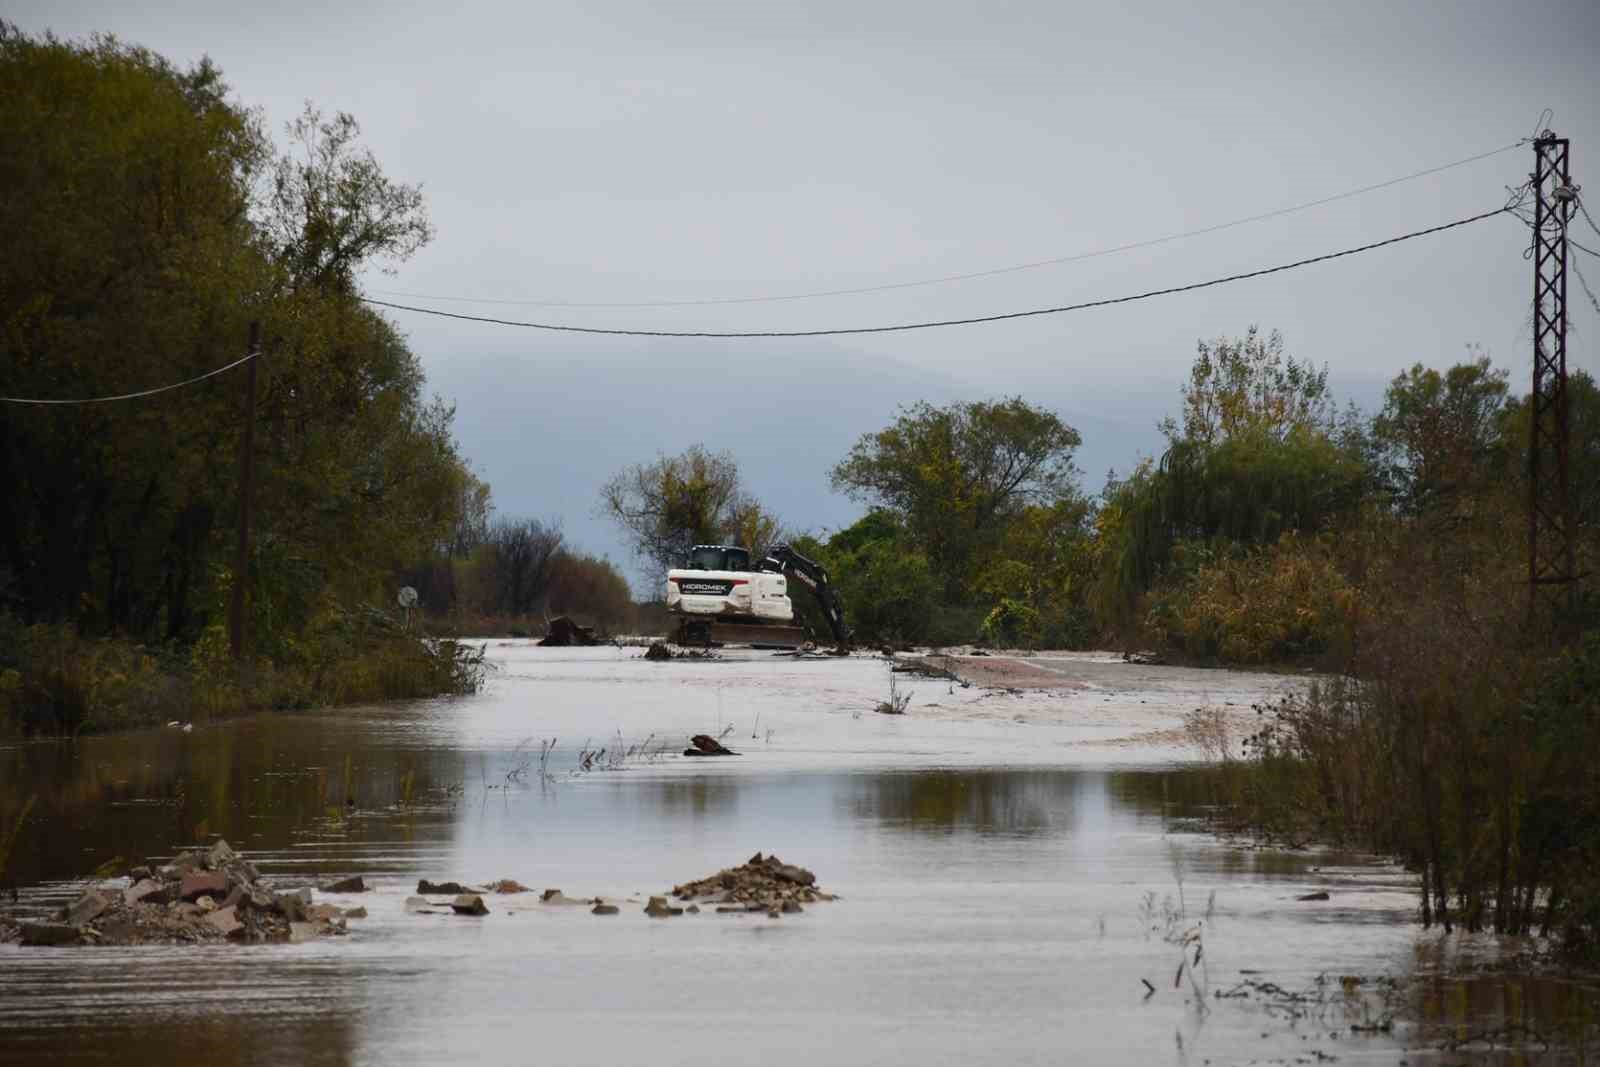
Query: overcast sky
[(657, 152)]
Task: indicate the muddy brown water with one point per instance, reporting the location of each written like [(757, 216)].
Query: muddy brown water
[(1009, 882)]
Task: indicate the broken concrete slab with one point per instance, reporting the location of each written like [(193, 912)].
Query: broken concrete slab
[(658, 908), (220, 855), (469, 904), (86, 908), (198, 884), (225, 921), (355, 884), (45, 935), (141, 890)]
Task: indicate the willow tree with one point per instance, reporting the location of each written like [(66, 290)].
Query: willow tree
[(1260, 451)]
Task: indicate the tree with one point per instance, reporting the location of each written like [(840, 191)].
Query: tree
[(669, 506), (1438, 433), (1259, 453), (954, 475), (332, 208), (1247, 385), (524, 554), (136, 253)]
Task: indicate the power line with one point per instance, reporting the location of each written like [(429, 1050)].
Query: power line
[(946, 322), (131, 396), (1034, 265)]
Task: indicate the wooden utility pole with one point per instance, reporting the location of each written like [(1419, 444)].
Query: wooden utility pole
[(247, 450)]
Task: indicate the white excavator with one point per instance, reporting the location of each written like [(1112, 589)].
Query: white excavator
[(720, 598)]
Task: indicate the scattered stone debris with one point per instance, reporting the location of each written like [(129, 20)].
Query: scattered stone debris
[(202, 895), (1321, 895), (565, 633), (556, 896), (1144, 659), (509, 885), (764, 884), (346, 885), (422, 906), (706, 745), (605, 909), (660, 650), (469, 904), (658, 908), (443, 889)]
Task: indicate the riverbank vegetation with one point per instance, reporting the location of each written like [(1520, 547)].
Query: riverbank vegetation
[(137, 253), (1459, 728), (507, 577)]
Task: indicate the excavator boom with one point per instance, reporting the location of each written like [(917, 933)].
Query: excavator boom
[(783, 559)]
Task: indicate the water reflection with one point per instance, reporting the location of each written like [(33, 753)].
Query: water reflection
[(981, 802), (1038, 874), (264, 783)]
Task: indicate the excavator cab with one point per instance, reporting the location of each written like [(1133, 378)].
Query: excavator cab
[(718, 558)]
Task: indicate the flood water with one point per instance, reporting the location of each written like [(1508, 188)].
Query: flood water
[(1010, 868)]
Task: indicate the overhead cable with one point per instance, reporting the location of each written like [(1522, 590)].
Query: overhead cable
[(131, 396), (933, 324), (1034, 265)]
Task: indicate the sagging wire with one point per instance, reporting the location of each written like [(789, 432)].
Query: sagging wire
[(132, 396), (1034, 265), (938, 323)]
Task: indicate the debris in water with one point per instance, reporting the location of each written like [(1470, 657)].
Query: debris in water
[(201, 896), (564, 633), (706, 745), (660, 650), (469, 904), (764, 884), (346, 885)]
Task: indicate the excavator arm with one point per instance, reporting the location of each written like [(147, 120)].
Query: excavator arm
[(786, 561)]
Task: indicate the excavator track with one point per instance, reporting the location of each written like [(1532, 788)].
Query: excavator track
[(712, 633)]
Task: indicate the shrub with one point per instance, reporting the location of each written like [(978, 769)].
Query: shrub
[(1284, 601), (1012, 624)]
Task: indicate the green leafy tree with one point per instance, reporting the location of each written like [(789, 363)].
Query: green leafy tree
[(1259, 453), (1248, 386), (1438, 435), (889, 590), (954, 476), (136, 253)]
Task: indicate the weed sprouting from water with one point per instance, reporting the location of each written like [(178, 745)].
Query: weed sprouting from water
[(897, 702), (1208, 730)]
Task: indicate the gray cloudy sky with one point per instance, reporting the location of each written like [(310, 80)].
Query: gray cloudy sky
[(635, 152)]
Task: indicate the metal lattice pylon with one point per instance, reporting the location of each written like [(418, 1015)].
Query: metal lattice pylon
[(1550, 529)]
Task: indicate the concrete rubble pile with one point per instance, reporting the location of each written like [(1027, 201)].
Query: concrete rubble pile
[(201, 896), (763, 884)]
